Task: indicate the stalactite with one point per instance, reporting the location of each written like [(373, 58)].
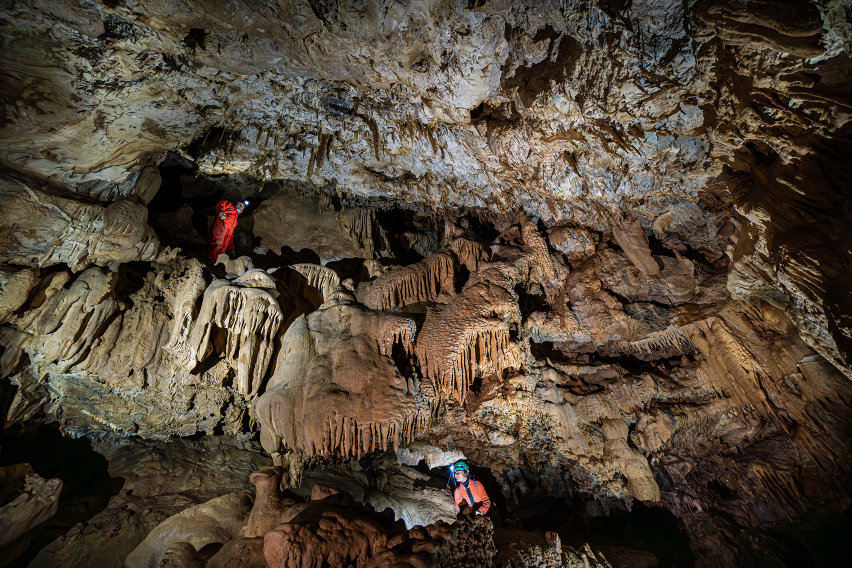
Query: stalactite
[(431, 138), (469, 253), (453, 372), (420, 282), (359, 222), (320, 277), (251, 318), (470, 332), (669, 340), (337, 391), (322, 149), (393, 332), (312, 161)]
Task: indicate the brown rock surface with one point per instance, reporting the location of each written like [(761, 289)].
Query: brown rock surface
[(161, 479), (299, 223), (336, 390)]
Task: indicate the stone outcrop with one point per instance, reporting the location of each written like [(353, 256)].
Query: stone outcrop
[(28, 500), (299, 222), (249, 316), (161, 479), (42, 229), (140, 351), (292, 532), (216, 521), (416, 283)]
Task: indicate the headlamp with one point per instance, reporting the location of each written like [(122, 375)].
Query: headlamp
[(452, 468)]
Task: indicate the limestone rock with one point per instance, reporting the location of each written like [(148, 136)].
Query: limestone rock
[(576, 243), (470, 332), (250, 317), (43, 229), (299, 223), (161, 479), (420, 282), (631, 237), (320, 400), (706, 141), (36, 502), (219, 520), (15, 286)]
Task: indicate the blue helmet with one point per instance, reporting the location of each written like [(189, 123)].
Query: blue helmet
[(459, 466)]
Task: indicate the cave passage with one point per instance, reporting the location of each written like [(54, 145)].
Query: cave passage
[(86, 484)]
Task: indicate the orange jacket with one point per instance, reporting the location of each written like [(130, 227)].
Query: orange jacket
[(474, 494), (223, 230)]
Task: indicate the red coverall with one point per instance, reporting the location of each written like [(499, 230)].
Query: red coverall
[(474, 494), (223, 230)]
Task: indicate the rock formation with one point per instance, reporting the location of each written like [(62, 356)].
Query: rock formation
[(35, 501), (412, 284), (249, 316), (336, 389)]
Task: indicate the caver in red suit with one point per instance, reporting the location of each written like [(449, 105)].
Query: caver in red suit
[(223, 230)]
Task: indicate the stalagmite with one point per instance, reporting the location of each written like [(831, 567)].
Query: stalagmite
[(420, 282)]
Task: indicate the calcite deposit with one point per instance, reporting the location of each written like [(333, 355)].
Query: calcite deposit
[(336, 389), (600, 250)]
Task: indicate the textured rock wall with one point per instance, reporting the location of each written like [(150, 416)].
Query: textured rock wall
[(663, 314), (591, 375), (575, 111)]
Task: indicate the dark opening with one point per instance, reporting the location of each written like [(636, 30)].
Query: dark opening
[(196, 37), (86, 484)]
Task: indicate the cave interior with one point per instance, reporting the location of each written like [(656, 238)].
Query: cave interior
[(599, 251)]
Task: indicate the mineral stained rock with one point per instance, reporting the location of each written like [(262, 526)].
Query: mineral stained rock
[(336, 389)]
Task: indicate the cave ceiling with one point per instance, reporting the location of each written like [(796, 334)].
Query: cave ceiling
[(612, 239)]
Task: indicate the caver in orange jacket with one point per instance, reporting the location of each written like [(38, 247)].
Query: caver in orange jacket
[(223, 230), (473, 493)]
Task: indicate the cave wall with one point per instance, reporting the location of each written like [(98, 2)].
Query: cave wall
[(634, 218)]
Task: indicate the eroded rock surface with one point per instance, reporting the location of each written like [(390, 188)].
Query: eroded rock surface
[(34, 501), (601, 248)]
